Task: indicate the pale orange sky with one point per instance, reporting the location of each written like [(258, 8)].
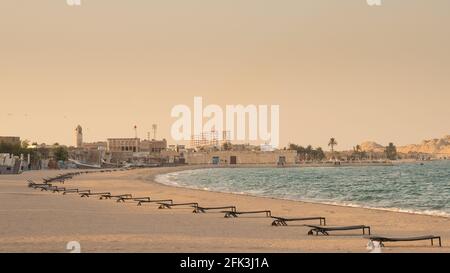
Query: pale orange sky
[(337, 68)]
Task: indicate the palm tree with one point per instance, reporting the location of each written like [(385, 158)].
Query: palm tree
[(331, 144), (357, 152)]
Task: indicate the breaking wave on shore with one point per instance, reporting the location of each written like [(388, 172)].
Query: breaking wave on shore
[(407, 188)]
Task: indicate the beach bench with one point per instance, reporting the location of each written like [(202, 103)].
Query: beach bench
[(42, 187), (88, 194), (382, 240), (32, 184), (325, 230), (123, 199), (70, 191), (58, 189), (75, 191), (47, 180), (198, 209), (60, 178), (51, 180), (281, 221), (109, 196), (235, 214), (154, 201), (49, 188), (163, 205)]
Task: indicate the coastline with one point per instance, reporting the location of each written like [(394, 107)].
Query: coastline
[(155, 179), (44, 222)]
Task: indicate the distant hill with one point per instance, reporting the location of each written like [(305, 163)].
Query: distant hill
[(371, 146), (433, 146)]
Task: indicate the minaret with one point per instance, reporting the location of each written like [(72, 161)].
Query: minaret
[(79, 136)]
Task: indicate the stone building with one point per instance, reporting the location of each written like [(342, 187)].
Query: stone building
[(153, 146), (279, 157), (123, 145)]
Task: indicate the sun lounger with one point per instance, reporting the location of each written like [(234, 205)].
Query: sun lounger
[(49, 188), (154, 201), (230, 214), (88, 194), (58, 189), (204, 209), (36, 185), (60, 178), (70, 191), (47, 180), (42, 187), (109, 196), (325, 230), (31, 183), (281, 221), (382, 240), (75, 191), (163, 205), (51, 180), (123, 199)]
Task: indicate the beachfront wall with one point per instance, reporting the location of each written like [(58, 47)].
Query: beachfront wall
[(282, 157)]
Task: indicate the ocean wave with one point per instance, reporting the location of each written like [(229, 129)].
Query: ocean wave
[(227, 181), (166, 179), (391, 209)]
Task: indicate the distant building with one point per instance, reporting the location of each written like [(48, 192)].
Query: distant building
[(11, 140), (79, 136), (279, 157), (153, 146), (99, 145), (123, 145)]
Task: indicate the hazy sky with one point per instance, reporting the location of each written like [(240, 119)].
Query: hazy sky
[(337, 68)]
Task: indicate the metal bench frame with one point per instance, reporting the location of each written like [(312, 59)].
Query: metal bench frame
[(155, 201), (235, 214), (281, 221), (199, 209), (382, 240), (325, 230), (93, 193), (169, 206)]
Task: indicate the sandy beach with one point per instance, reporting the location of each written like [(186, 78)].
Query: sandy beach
[(35, 221)]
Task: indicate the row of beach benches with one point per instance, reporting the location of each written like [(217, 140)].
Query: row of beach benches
[(229, 211)]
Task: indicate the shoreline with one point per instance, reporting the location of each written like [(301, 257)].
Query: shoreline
[(330, 203), (37, 221)]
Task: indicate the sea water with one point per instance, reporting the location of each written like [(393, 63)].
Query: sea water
[(408, 187)]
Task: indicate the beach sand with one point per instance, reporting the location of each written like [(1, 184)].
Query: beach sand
[(35, 221)]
